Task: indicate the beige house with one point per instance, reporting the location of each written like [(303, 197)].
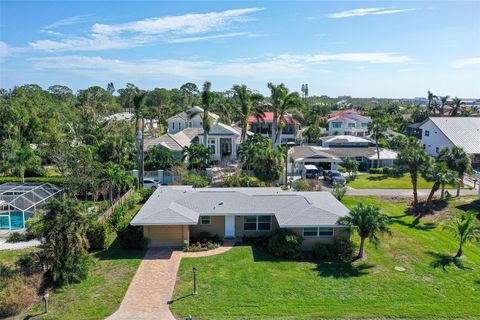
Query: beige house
[(174, 214)]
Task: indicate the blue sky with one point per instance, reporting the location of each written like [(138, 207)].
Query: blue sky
[(358, 48)]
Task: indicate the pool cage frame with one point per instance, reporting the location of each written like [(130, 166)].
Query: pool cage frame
[(24, 197)]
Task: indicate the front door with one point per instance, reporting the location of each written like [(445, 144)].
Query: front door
[(229, 226)]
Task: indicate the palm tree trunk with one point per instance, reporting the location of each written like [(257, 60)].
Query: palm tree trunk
[(274, 128), (139, 149), (460, 251), (378, 155), (443, 191), (428, 205), (361, 249), (415, 194), (111, 194), (460, 183)]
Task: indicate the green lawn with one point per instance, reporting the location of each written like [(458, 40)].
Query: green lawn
[(381, 181), (247, 283)]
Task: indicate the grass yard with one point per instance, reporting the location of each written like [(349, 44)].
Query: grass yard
[(381, 181), (247, 283)]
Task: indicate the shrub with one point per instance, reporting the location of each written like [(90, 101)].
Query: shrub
[(343, 250), (285, 243), (5, 271), (307, 185), (131, 237), (16, 295), (203, 242), (29, 264), (258, 240), (97, 235), (339, 191), (375, 170), (16, 237), (195, 181), (242, 180), (116, 219), (144, 194), (323, 251)]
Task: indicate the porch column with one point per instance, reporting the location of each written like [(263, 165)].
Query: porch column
[(217, 149), (234, 149)]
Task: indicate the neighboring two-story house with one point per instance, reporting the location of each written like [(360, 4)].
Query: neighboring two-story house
[(348, 122), (463, 132), (191, 118), (291, 131)]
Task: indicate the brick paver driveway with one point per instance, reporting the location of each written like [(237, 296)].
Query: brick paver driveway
[(152, 286)]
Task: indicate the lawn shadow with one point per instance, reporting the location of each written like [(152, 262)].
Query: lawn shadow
[(444, 260), (116, 252), (415, 224), (339, 270), (32, 316), (472, 206), (180, 298), (378, 178)]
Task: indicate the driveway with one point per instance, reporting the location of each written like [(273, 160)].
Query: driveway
[(152, 286)]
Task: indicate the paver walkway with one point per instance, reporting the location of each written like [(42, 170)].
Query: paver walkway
[(152, 286)]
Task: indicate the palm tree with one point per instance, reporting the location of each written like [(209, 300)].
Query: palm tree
[(138, 105), (413, 158), (377, 131), (457, 160), (21, 159), (443, 103), (369, 222), (283, 102), (247, 105), (207, 101), (440, 175), (464, 228), (431, 102), (197, 156), (457, 106), (114, 175)]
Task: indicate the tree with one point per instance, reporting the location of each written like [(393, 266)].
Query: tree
[(63, 234), (282, 102), (197, 155), (138, 104), (457, 106), (313, 133), (191, 90), (431, 102), (351, 165), (110, 87), (247, 104), (440, 175), (413, 158), (377, 130), (464, 228), (443, 103), (268, 165), (457, 160), (113, 175), (369, 222), (22, 159), (207, 100), (159, 158)]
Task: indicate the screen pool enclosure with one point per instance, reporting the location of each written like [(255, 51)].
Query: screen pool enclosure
[(18, 202)]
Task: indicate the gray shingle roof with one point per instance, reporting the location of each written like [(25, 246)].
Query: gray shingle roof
[(184, 205), (463, 132)]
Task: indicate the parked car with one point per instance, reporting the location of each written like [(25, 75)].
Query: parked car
[(151, 183), (311, 172), (334, 176)]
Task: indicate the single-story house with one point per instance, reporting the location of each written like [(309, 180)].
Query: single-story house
[(174, 214), (300, 156), (440, 132)]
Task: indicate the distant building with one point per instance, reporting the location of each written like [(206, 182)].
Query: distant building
[(291, 131), (463, 132), (348, 122)]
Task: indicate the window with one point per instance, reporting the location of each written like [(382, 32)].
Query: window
[(436, 149), (173, 125), (205, 220), (257, 223), (336, 125), (316, 232), (179, 126), (190, 124), (211, 145), (364, 124), (427, 133), (351, 125), (424, 146)]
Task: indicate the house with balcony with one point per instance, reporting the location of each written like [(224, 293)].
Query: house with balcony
[(348, 122), (191, 118), (263, 126)]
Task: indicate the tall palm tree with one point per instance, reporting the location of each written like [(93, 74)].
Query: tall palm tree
[(431, 102), (138, 105), (207, 101), (457, 106), (113, 178), (369, 222), (457, 160), (247, 104), (413, 158), (464, 228), (443, 103), (440, 175), (377, 131), (283, 102), (21, 159)]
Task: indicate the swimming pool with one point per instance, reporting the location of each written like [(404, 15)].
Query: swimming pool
[(17, 220)]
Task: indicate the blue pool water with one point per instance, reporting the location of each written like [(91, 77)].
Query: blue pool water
[(17, 220)]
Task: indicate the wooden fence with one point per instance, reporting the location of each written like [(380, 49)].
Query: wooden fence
[(119, 201)]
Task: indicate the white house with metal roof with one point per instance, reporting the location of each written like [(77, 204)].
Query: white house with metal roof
[(440, 132), (174, 214), (191, 118)]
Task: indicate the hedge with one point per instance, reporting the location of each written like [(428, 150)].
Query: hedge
[(53, 180)]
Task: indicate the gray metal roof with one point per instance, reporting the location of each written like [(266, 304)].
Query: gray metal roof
[(27, 196), (184, 205), (463, 132)]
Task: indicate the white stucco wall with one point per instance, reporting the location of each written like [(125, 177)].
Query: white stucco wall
[(435, 140)]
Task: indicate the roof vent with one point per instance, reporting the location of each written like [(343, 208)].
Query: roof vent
[(220, 203)]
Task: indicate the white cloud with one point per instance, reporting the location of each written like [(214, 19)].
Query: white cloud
[(365, 11), (217, 36), (467, 62), (5, 50), (147, 31), (67, 21), (274, 67)]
